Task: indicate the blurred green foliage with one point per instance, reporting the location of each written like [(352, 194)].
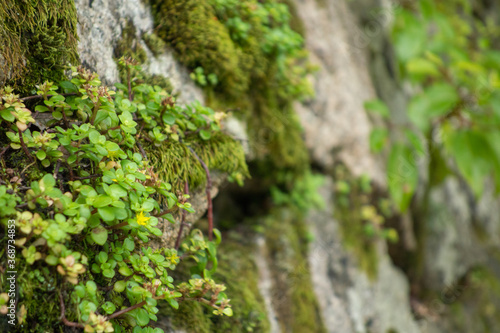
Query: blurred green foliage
[(446, 54)]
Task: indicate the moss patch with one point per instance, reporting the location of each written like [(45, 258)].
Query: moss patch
[(129, 46), (175, 163), (295, 301), (38, 39), (251, 80), (351, 196)]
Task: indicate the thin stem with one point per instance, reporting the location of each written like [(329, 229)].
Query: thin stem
[(166, 212), (129, 83), (210, 215), (88, 177), (26, 151), (66, 123), (94, 112), (183, 218), (133, 307), (143, 153), (4, 150), (116, 226), (63, 315)]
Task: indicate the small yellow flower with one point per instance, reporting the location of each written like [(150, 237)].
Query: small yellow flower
[(115, 180), (174, 259), (142, 219)]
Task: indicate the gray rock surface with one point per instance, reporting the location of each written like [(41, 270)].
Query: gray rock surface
[(100, 25), (335, 122), (350, 302)]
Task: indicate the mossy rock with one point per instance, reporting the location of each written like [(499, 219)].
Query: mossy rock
[(350, 199), (248, 80), (129, 46), (39, 39), (200, 40), (294, 298)]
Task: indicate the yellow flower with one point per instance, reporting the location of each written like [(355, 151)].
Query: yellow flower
[(142, 219)]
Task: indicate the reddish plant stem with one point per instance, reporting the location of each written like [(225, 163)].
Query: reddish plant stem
[(26, 151), (143, 153), (66, 123), (133, 307), (183, 218), (4, 150), (116, 226), (165, 212), (63, 315), (208, 189), (110, 129), (94, 112), (129, 83)]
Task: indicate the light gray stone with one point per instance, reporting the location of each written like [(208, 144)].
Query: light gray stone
[(335, 123), (100, 25), (350, 301)]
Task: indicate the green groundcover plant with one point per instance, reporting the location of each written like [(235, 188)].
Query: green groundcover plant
[(87, 205)]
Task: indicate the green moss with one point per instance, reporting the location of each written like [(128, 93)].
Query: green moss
[(295, 22), (476, 298), (348, 211), (200, 40), (191, 316), (129, 46), (249, 79), (276, 134), (154, 43), (38, 40), (175, 163), (295, 301)]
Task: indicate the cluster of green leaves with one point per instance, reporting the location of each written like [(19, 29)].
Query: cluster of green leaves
[(266, 25), (85, 217), (199, 77), (304, 193), (447, 55), (371, 211)]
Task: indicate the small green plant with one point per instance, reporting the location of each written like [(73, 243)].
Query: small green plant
[(199, 77), (86, 214), (304, 193), (454, 116)]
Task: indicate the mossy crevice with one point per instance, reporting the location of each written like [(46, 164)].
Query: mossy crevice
[(351, 196), (39, 39)]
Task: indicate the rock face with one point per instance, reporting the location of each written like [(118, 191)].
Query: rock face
[(100, 26), (350, 301), (335, 123)]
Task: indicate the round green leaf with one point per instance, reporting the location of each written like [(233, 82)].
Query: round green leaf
[(99, 235)]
